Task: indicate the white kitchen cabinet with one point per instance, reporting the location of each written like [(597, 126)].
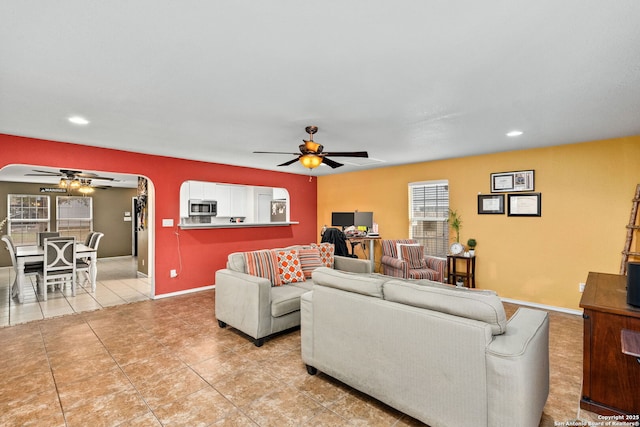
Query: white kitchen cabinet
[(223, 197), (232, 200), (209, 191), (199, 190), (196, 190)]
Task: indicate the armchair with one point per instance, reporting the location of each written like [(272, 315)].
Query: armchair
[(427, 267)]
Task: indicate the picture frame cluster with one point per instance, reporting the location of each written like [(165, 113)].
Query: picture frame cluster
[(518, 186)]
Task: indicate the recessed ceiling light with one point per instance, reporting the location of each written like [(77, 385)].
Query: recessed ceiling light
[(514, 133), (78, 120)]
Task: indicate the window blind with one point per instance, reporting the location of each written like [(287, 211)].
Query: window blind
[(428, 215)]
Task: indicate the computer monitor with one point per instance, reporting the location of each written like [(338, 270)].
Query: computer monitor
[(363, 219), (342, 219)]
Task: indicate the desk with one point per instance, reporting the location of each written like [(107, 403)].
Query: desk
[(371, 241), (468, 276), (25, 254)]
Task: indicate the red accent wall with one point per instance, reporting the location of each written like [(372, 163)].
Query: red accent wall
[(203, 251)]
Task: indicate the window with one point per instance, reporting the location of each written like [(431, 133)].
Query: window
[(74, 216), (428, 215), (28, 216)]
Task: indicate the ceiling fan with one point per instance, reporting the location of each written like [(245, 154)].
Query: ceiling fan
[(311, 154), (74, 180), (69, 174)]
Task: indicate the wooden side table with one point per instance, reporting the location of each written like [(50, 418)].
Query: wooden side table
[(468, 275), (611, 372)]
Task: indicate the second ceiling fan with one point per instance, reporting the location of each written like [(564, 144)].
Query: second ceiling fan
[(312, 155)]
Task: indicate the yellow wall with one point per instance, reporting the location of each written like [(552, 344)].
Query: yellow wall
[(586, 201)]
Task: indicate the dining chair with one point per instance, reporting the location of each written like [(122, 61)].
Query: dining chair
[(59, 264), (84, 265), (45, 234), (30, 269), (87, 240)]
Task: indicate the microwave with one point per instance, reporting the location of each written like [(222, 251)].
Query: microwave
[(203, 208)]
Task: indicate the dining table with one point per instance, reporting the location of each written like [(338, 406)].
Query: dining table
[(30, 254)]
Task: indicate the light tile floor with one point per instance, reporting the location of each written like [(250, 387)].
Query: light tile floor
[(166, 362), (117, 283)]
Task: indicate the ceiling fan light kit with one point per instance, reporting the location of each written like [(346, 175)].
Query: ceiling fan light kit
[(69, 183), (310, 161), (311, 153)]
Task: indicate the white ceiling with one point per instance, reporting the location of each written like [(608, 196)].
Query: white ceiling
[(408, 81)]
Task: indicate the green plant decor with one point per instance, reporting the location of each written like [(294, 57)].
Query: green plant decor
[(472, 243), (455, 221)]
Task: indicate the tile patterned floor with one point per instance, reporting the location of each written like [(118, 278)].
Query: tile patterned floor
[(117, 283), (166, 362)]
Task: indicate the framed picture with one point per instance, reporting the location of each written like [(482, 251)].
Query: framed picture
[(505, 182), (525, 204), (491, 203)]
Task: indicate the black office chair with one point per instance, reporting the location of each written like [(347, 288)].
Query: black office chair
[(337, 237)]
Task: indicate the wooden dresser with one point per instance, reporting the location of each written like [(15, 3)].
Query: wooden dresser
[(611, 379)]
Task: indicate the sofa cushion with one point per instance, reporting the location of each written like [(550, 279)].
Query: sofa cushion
[(310, 260), (263, 264), (285, 299), (365, 284), (289, 266), (235, 262), (479, 305), (414, 256), (423, 273)]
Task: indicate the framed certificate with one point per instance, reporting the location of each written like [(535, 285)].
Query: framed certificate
[(491, 203), (525, 204), (506, 182)]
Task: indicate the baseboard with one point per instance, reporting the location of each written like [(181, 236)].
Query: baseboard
[(186, 291), (543, 306)]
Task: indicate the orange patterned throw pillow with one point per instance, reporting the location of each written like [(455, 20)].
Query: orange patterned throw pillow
[(327, 251), (289, 266)]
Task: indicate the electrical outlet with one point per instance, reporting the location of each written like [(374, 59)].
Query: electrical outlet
[(581, 287), (173, 273)]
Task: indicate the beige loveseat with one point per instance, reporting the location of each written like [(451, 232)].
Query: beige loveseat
[(446, 356), (255, 306)]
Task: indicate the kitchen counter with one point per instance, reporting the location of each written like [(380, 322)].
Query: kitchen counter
[(236, 225)]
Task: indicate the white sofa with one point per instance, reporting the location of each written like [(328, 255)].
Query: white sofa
[(254, 306), (443, 355)]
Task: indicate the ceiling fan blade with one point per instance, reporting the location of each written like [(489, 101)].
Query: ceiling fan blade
[(348, 154), (275, 152), (333, 164), (93, 176), (43, 173), (290, 162)]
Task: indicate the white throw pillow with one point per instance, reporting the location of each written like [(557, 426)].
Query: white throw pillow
[(399, 250)]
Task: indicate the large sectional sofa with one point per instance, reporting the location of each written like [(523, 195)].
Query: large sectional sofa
[(443, 355), (252, 296)]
